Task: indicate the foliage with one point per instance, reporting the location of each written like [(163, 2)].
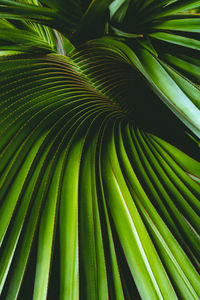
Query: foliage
[(99, 149)]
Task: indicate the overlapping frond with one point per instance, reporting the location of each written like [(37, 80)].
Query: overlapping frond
[(164, 42), (77, 171), (95, 201)]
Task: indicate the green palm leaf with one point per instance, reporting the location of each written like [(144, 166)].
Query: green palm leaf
[(99, 150)]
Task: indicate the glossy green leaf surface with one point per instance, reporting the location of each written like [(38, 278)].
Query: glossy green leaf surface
[(99, 150)]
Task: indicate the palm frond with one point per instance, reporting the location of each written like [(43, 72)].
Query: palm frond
[(51, 109), (100, 180)]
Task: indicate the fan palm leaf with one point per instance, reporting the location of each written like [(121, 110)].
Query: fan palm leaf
[(99, 150)]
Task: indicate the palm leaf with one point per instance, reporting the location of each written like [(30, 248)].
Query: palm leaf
[(100, 181)]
